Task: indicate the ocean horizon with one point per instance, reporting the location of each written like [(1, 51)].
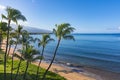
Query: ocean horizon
[(100, 51)]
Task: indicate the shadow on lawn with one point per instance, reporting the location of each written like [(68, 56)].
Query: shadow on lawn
[(28, 77)]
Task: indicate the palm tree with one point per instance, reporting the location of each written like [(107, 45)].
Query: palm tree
[(16, 36), (24, 40), (45, 40), (28, 54), (62, 31), (12, 15)]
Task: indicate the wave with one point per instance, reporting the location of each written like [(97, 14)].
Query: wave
[(92, 57)]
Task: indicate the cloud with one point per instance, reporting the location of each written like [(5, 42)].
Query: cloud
[(2, 7), (114, 28), (23, 23), (119, 28)]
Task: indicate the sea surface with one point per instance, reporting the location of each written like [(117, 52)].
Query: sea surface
[(100, 51)]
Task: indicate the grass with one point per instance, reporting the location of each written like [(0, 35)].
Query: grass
[(31, 74)]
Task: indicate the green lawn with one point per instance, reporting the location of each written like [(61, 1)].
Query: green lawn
[(31, 75)]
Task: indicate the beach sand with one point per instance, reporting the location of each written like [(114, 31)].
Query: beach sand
[(63, 71), (85, 74)]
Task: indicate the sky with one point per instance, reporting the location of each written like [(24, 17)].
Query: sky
[(86, 16)]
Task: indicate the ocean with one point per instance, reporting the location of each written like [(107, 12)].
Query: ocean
[(100, 51)]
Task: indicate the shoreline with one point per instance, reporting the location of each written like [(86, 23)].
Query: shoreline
[(78, 73), (97, 74), (62, 71)]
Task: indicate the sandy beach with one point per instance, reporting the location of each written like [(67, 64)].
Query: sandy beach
[(85, 73)]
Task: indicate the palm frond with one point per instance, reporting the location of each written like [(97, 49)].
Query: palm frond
[(3, 16), (45, 40), (69, 37), (68, 30), (35, 52), (15, 20), (11, 42), (55, 32), (14, 14), (3, 26), (62, 30), (49, 40), (37, 39), (18, 56), (21, 17)]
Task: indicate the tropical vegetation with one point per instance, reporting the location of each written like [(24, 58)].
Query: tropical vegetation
[(17, 65), (31, 72)]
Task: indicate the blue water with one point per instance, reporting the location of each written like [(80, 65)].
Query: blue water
[(95, 50)]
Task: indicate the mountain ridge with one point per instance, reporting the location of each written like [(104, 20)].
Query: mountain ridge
[(33, 30)]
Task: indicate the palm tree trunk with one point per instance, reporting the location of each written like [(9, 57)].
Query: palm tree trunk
[(6, 50), (44, 75), (19, 63), (12, 61), (24, 76), (39, 63), (0, 39), (18, 69)]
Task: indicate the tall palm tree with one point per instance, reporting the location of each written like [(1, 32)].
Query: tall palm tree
[(12, 15), (45, 40), (28, 54), (16, 36), (24, 40), (62, 31)]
